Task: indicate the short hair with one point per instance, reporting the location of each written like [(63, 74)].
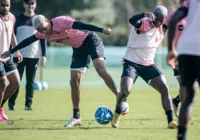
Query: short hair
[(161, 10), (38, 20)]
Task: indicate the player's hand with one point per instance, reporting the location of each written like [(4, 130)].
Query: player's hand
[(19, 57), (150, 15), (172, 59), (43, 61), (107, 31), (5, 54)]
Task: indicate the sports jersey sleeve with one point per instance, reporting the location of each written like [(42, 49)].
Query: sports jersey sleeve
[(167, 19), (43, 46), (136, 20), (89, 27), (24, 43), (63, 22), (145, 26)]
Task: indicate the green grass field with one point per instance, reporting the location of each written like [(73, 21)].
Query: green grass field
[(145, 121)]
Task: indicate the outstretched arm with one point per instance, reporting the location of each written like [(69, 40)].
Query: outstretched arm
[(24, 43), (83, 26), (21, 45)]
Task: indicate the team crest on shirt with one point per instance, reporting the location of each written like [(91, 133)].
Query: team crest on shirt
[(28, 22), (180, 27)]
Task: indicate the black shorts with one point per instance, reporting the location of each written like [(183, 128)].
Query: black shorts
[(133, 70), (92, 47), (189, 67), (176, 72), (6, 67)]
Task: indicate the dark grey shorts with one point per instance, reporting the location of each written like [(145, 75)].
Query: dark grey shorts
[(91, 48), (133, 70), (189, 67), (6, 67)]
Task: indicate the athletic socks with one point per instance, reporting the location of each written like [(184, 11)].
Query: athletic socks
[(118, 110), (76, 114), (3, 102), (169, 115), (176, 100), (181, 133)]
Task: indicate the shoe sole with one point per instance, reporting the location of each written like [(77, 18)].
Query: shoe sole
[(77, 124)]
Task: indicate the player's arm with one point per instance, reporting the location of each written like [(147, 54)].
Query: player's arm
[(136, 20), (24, 43), (84, 26), (69, 23), (180, 14), (43, 47)]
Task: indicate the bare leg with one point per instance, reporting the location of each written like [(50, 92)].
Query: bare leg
[(101, 70), (3, 85), (14, 81), (185, 111), (75, 81), (159, 83), (126, 85)]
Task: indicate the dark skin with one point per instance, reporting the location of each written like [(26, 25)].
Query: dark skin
[(4, 7), (6, 90), (158, 83), (190, 90), (172, 55)]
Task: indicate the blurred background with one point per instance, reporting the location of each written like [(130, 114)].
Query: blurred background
[(104, 13)]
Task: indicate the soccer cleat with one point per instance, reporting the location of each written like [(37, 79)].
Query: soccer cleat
[(115, 120), (124, 108), (176, 109), (73, 122), (172, 125), (1, 119), (3, 115)]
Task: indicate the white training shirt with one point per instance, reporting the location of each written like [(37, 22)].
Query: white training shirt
[(189, 43), (142, 47)]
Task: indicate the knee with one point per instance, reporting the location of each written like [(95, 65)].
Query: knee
[(125, 92), (15, 83), (164, 90), (3, 83), (101, 71), (74, 83)]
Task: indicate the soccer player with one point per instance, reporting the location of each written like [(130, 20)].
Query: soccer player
[(8, 71), (85, 44), (188, 58), (31, 54), (179, 28), (146, 35)]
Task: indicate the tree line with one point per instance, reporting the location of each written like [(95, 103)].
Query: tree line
[(104, 13)]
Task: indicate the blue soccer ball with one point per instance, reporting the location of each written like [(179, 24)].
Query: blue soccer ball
[(37, 85), (103, 115)]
